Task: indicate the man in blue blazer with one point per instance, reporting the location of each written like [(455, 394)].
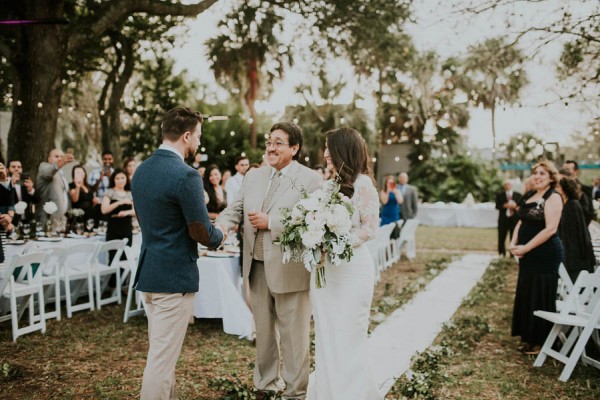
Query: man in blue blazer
[(169, 201)]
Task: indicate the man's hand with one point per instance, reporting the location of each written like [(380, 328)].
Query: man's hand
[(259, 220), (5, 220), (67, 158)]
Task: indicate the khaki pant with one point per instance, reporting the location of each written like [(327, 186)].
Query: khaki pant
[(283, 316), (168, 317)]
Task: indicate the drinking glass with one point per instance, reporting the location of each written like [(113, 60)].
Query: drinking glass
[(26, 231), (79, 228), (89, 224), (39, 229)]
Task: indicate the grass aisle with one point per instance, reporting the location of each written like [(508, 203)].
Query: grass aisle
[(476, 358)]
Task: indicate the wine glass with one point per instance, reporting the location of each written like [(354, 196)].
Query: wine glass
[(89, 224), (26, 231), (39, 229), (102, 227), (79, 228)]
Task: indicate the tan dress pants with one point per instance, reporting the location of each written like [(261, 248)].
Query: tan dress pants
[(168, 318)]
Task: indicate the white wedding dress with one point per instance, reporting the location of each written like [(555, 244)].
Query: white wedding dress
[(341, 311)]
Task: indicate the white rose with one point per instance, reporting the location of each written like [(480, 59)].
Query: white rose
[(338, 220), (310, 203), (297, 215), (312, 238), (20, 207), (50, 207), (315, 220)]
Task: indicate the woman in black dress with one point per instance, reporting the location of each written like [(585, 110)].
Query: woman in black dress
[(81, 193), (217, 197), (573, 231), (540, 253), (118, 205)]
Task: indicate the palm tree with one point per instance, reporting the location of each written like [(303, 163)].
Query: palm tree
[(248, 54), (493, 74)]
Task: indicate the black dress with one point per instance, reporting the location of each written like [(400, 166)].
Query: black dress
[(119, 228), (84, 203), (538, 274), (575, 236)]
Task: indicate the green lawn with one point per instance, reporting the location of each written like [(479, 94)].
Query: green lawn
[(96, 355)]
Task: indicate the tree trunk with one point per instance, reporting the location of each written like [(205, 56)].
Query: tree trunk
[(250, 97), (38, 70)]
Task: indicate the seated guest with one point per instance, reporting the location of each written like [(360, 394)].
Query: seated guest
[(573, 231), (391, 198), (217, 198), (81, 193), (129, 166)]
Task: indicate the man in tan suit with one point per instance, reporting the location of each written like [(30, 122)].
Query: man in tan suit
[(278, 291)]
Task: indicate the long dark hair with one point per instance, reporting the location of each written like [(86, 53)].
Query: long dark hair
[(113, 176), (349, 156), (213, 201), (570, 188)]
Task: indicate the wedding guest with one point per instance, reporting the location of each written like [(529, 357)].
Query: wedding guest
[(99, 180), (341, 309), (197, 161), (52, 186), (409, 206), (233, 185), (225, 175), (117, 205), (201, 170), (24, 190), (129, 166), (596, 188), (278, 291), (7, 197), (506, 204), (81, 193), (217, 198), (391, 198), (586, 191), (166, 192), (573, 232), (536, 243)]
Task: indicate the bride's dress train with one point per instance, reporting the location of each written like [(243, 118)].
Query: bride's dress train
[(341, 312)]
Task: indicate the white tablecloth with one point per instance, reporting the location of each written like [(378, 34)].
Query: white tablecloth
[(482, 215), (221, 295)]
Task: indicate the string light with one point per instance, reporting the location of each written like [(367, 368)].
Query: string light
[(40, 105), (374, 159), (232, 133), (389, 141), (203, 149), (295, 120), (396, 159), (222, 152), (19, 102), (420, 157), (417, 141), (243, 154), (307, 159)]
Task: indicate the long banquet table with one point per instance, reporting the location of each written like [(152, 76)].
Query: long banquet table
[(220, 294), (483, 215)]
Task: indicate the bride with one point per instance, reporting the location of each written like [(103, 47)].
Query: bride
[(341, 309)]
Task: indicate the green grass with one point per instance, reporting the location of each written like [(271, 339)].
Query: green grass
[(95, 355)]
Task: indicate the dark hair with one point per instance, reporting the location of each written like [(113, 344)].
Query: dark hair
[(127, 161), (570, 188), (294, 135), (565, 172), (114, 174), (178, 121), (349, 156), (107, 153), (575, 165), (85, 183), (240, 158), (12, 161), (213, 202)]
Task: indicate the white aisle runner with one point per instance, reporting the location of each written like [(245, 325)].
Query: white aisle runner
[(413, 328)]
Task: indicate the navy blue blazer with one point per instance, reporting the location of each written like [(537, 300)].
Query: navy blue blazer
[(168, 196)]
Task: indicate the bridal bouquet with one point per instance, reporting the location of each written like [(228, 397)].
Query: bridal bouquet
[(318, 226)]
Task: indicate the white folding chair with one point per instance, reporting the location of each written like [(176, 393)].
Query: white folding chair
[(407, 237), (133, 296), (565, 285), (384, 244), (51, 276), (580, 313), (78, 265), (22, 279), (105, 269), (377, 266)]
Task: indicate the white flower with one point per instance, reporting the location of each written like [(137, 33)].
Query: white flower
[(310, 203), (312, 238), (297, 215), (315, 220), (50, 207), (338, 220), (77, 212), (20, 207)]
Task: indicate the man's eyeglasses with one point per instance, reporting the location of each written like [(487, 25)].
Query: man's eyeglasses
[(277, 144)]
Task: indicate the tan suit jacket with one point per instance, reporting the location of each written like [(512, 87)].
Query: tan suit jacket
[(281, 278)]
